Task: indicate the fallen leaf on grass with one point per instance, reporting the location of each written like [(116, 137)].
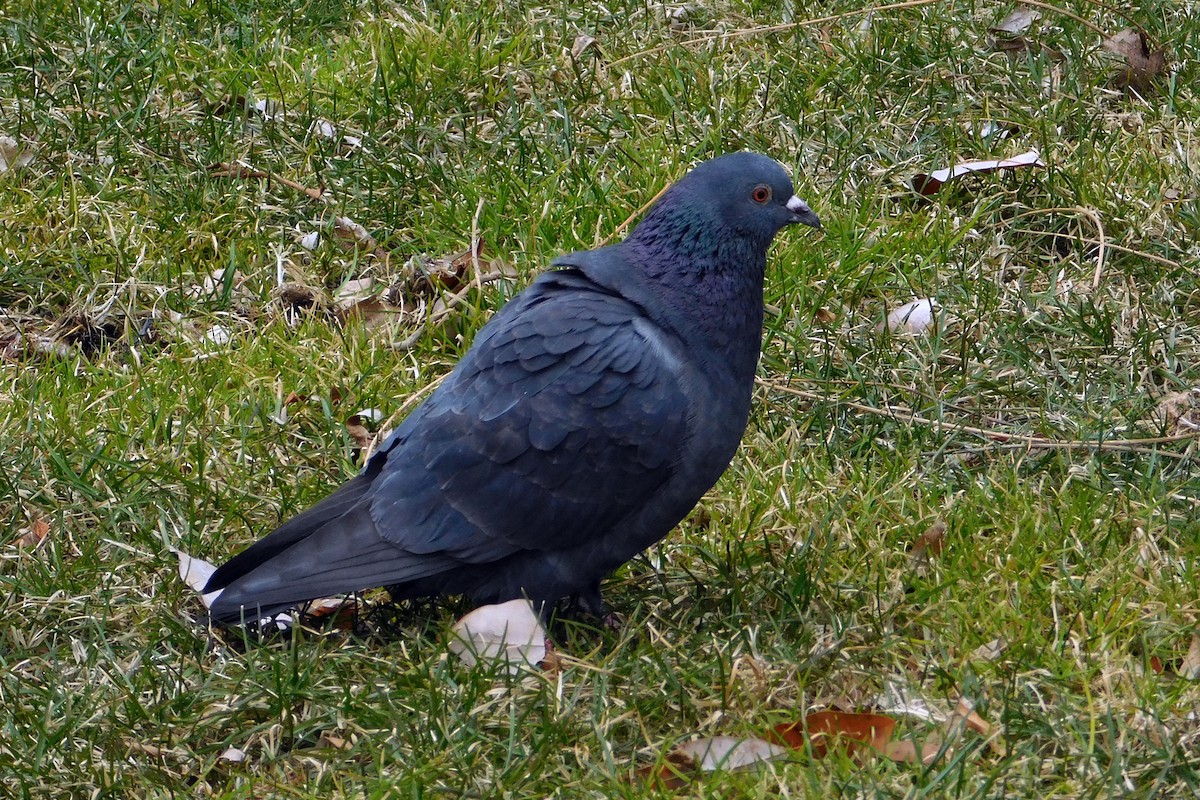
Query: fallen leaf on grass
[(932, 541), (358, 432), (708, 755), (1018, 21), (914, 317), (582, 44), (347, 228), (360, 299), (837, 730), (730, 752), (233, 754), (34, 533), (991, 650), (1189, 670), (927, 184), (508, 635), (195, 572), (1143, 64), (13, 155)]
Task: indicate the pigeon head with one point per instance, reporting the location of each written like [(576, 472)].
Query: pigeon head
[(742, 195)]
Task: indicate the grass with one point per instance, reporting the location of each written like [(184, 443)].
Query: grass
[(792, 586)]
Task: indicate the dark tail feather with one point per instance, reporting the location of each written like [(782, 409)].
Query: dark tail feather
[(296, 529), (345, 554)]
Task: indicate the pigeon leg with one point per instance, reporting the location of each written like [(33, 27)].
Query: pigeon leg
[(591, 602)]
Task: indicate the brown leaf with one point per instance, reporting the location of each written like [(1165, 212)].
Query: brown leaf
[(347, 228), (824, 316), (674, 771), (1189, 670), (966, 712), (1142, 64), (931, 183), (905, 750), (34, 533), (932, 541), (357, 431), (332, 741), (827, 730)]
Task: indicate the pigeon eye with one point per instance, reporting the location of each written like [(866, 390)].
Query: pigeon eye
[(760, 194)]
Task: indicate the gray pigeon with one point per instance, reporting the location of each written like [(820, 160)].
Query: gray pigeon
[(587, 419)]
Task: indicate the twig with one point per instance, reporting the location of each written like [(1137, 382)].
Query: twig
[(475, 245), (223, 170), (1006, 439)]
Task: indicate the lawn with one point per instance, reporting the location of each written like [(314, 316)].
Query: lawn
[(193, 195)]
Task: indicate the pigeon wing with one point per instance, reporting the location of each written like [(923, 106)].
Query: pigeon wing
[(566, 417)]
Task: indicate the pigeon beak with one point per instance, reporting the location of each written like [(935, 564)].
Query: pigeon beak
[(802, 213)]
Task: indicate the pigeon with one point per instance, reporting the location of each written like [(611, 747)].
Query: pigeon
[(588, 418)]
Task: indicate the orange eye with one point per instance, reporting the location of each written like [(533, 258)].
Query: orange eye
[(760, 194)]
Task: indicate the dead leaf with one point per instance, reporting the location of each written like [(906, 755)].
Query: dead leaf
[(931, 183), (1142, 63), (932, 541), (1189, 670), (333, 742), (1018, 21), (357, 431), (914, 317), (582, 44), (965, 710), (34, 534), (233, 754), (673, 773), (730, 752), (13, 155), (195, 572), (990, 651), (358, 298), (508, 634), (905, 750), (824, 316), (827, 730), (347, 228)]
